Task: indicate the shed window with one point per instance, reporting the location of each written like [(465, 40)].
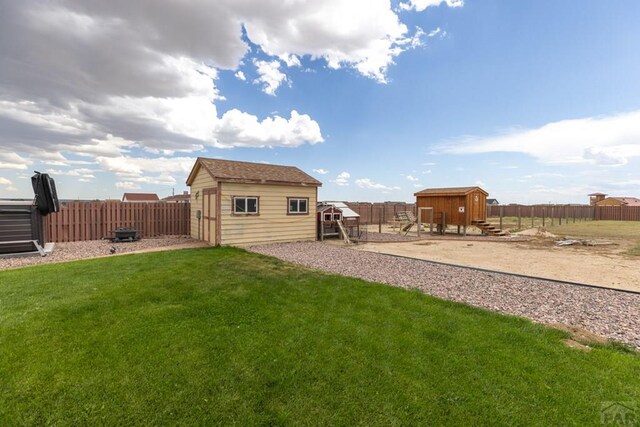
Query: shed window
[(245, 205), (327, 217), (337, 217), (298, 206)]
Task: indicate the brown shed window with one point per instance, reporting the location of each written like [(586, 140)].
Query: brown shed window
[(298, 206), (245, 205)]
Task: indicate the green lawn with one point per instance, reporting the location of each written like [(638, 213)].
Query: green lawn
[(222, 336)]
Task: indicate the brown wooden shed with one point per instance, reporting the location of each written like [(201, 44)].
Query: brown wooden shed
[(461, 206)]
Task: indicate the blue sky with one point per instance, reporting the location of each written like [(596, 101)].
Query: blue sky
[(535, 101)]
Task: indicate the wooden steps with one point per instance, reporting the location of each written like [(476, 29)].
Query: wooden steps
[(489, 229)]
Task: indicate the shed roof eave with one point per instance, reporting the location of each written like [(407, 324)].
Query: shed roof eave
[(454, 191), (266, 181)]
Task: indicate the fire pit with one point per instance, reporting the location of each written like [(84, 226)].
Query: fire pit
[(125, 234)]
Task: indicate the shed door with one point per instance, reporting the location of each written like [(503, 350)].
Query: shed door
[(475, 206), (209, 219)]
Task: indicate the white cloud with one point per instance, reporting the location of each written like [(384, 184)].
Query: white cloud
[(363, 34), (418, 186), (240, 75), (290, 60), (239, 129), (342, 179), (370, 185), (606, 141), (270, 76), (321, 171), (7, 185), (411, 178), (13, 161), (420, 5), (437, 32), (434, 33), (71, 172), (127, 185)]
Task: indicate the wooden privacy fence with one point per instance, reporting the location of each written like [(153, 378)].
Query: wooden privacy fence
[(617, 213), (78, 221), (542, 211), (373, 213), (603, 213)]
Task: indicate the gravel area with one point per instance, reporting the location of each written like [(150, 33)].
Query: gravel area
[(96, 248), (609, 313)]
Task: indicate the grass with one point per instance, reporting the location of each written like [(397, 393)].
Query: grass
[(218, 335), (600, 229), (626, 230)]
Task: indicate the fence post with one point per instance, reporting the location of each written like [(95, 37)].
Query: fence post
[(519, 219), (501, 213), (560, 216), (532, 212)]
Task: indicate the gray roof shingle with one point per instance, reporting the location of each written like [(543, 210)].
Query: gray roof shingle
[(231, 170)]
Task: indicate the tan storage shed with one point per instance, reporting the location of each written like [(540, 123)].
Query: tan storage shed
[(238, 203), (462, 206)]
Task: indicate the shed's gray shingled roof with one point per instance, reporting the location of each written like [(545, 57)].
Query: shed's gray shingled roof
[(256, 172)]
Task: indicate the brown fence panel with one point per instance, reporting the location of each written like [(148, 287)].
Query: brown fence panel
[(77, 221), (605, 213), (372, 213), (618, 213)]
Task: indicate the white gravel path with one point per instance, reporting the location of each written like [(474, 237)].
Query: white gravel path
[(609, 313), (96, 248)]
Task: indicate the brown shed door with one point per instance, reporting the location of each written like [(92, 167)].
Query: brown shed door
[(475, 206), (209, 215)]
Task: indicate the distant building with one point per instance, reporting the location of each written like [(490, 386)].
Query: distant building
[(595, 198), (178, 198), (619, 201), (493, 202), (140, 197)]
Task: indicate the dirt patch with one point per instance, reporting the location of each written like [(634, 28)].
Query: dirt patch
[(580, 335), (539, 257), (576, 345)]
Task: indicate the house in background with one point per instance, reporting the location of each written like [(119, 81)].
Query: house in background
[(140, 197), (493, 202), (619, 201), (235, 203), (595, 198), (185, 197)]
